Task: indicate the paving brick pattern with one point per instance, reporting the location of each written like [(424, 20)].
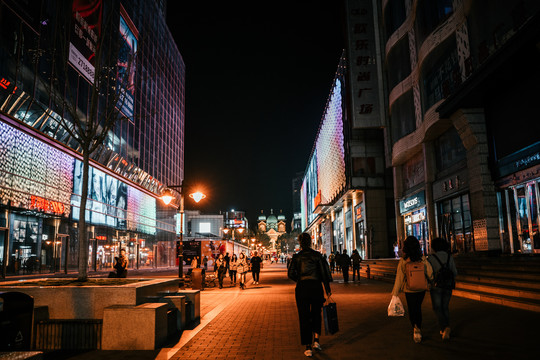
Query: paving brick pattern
[(262, 323)]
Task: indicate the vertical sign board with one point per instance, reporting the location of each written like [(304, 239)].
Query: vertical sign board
[(362, 56), (126, 65), (86, 28)]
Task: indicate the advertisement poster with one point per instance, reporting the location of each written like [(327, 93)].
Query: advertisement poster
[(86, 29), (126, 65), (107, 198)]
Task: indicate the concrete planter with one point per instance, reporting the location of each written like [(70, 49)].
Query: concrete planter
[(88, 302)]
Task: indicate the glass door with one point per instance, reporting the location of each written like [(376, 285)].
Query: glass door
[(532, 202), (522, 207)]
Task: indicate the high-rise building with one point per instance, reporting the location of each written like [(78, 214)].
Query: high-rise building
[(462, 92), (40, 163)]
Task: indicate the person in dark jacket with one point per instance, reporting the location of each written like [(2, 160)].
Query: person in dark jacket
[(440, 297), (356, 260), (345, 262), (256, 267), (309, 269)]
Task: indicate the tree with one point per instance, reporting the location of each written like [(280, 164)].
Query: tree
[(289, 239), (91, 120), (263, 239)]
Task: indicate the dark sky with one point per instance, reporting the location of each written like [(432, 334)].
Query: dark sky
[(258, 75)]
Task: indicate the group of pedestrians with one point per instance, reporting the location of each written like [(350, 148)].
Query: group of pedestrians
[(235, 266), (313, 274), (439, 269), (341, 262)]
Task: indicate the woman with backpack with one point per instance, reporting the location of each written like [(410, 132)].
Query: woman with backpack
[(444, 274), (412, 275)]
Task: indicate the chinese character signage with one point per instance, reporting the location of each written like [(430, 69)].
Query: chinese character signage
[(86, 28), (363, 64)]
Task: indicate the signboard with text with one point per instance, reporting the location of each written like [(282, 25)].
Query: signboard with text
[(362, 55)]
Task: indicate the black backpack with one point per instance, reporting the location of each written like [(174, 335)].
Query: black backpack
[(444, 278)]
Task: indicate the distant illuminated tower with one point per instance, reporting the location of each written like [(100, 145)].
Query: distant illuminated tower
[(272, 226)]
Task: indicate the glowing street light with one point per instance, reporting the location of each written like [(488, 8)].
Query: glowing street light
[(167, 197)]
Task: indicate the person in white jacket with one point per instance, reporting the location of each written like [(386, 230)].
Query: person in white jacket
[(242, 269), (412, 253)]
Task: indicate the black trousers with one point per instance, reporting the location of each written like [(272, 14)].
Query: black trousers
[(345, 270), (309, 301), (232, 275), (356, 270), (255, 274), (414, 305)]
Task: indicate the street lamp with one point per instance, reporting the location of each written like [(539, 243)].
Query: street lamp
[(167, 197)]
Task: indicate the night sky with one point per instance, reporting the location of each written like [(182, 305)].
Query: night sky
[(258, 75)]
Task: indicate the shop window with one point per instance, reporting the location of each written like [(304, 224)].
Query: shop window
[(429, 14), (454, 221), (441, 74), (399, 63), (394, 15), (449, 150), (402, 117), (363, 166)]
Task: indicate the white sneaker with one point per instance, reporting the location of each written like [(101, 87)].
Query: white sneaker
[(417, 336), (317, 346), (308, 353)]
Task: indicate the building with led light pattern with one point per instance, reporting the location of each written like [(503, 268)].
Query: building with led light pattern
[(345, 188), (40, 165)]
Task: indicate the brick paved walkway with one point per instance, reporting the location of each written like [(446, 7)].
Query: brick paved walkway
[(262, 323)]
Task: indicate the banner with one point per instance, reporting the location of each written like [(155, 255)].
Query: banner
[(126, 65), (86, 29)]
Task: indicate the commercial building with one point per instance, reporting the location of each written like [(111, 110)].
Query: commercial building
[(40, 162), (462, 92), (346, 190)]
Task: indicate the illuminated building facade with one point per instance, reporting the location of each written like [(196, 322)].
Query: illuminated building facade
[(40, 164), (346, 187), (462, 87)]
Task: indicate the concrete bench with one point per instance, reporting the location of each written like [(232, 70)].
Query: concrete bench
[(140, 327), (193, 297)]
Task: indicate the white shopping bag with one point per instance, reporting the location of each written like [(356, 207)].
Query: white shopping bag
[(396, 307)]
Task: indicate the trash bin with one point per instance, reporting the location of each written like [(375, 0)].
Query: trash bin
[(197, 279), (16, 318)]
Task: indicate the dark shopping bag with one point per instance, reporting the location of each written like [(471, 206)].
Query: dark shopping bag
[(331, 325)]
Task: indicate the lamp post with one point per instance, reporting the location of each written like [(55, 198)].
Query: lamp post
[(167, 197)]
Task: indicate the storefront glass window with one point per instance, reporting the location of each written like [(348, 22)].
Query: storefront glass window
[(533, 206), (454, 221), (523, 217)]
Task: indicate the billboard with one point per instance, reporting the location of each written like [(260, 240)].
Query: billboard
[(126, 65), (85, 32), (364, 64), (107, 196)]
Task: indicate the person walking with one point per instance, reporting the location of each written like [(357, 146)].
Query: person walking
[(345, 263), (221, 269), (310, 272), (255, 267), (242, 268), (332, 260), (444, 274), (205, 262), (356, 260), (412, 253), (338, 262), (233, 266)]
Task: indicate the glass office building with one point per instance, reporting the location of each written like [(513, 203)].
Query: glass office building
[(47, 43)]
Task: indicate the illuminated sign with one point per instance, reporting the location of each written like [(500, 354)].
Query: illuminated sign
[(101, 237), (41, 204), (358, 212), (418, 217), (413, 202)]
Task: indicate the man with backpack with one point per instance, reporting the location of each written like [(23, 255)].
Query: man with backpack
[(444, 275)]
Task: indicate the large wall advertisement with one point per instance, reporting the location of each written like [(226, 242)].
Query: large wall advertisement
[(325, 177), (113, 203), (86, 28), (33, 175), (126, 65)]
